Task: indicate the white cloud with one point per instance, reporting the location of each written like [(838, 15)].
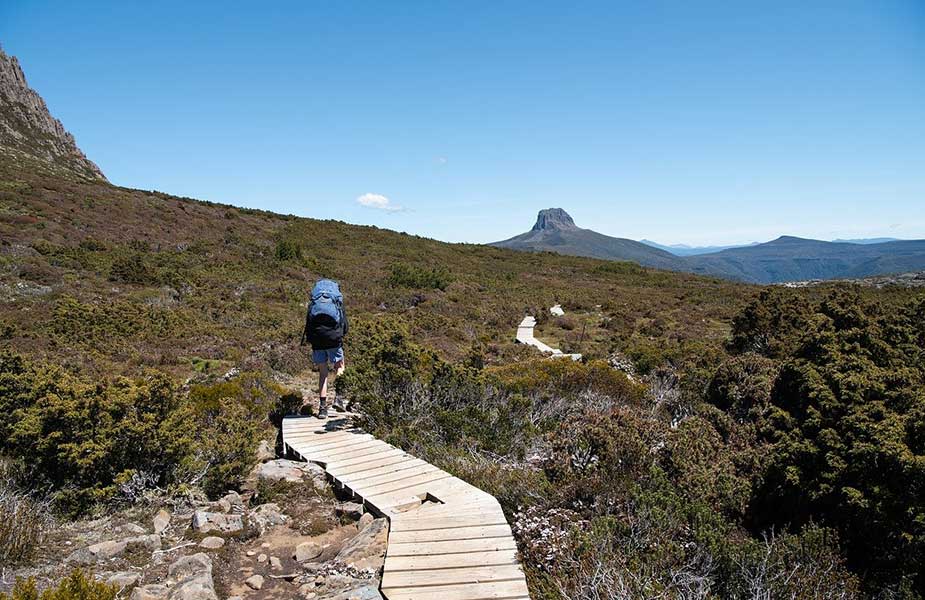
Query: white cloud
[(378, 201), (442, 160)]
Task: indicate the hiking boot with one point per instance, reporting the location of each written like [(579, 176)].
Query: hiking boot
[(322, 410), (340, 404)]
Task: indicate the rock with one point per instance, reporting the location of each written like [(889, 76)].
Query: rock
[(280, 470), (204, 522), (212, 542), (193, 577), (365, 520), (113, 548), (359, 591), (276, 563), (154, 591), (234, 501), (265, 516), (350, 510), (161, 521), (255, 582), (265, 452), (190, 566), (262, 558), (107, 550), (367, 549), (250, 553), (132, 529), (307, 551), (30, 129), (124, 579)]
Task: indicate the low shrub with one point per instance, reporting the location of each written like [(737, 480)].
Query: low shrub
[(411, 276), (76, 586)]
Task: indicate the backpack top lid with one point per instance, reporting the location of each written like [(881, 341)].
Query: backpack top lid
[(327, 287)]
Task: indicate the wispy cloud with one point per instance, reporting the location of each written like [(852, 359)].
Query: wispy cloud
[(378, 202)]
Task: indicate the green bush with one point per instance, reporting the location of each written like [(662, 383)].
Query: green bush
[(76, 586), (84, 437), (411, 276), (287, 250), (224, 449), (132, 268), (845, 423)]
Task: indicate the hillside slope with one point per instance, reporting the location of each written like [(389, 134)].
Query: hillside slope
[(121, 278)]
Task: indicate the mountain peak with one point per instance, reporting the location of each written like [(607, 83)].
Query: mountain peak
[(553, 218), (28, 129)]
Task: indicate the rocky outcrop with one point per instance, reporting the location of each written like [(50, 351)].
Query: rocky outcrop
[(553, 219), (27, 127)]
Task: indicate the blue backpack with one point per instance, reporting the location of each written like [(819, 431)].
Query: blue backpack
[(325, 322), (326, 301)]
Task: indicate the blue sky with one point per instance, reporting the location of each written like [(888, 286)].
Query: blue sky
[(682, 122)]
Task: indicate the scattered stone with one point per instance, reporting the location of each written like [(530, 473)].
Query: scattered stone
[(113, 548), (352, 510), (265, 516), (262, 558), (365, 520), (132, 529), (161, 521), (154, 591), (367, 549), (124, 579), (193, 577), (212, 542), (275, 563), (307, 551), (204, 522), (250, 553), (289, 470), (265, 452), (231, 502), (357, 590), (255, 582)]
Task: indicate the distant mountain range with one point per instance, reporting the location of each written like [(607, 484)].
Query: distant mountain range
[(785, 259), (685, 250)]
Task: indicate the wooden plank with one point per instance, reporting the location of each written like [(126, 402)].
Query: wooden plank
[(479, 591), (317, 442), (342, 451), (385, 461), (451, 546), (395, 470), (398, 579), (419, 481), (341, 464), (448, 520), (452, 533), (451, 561), (375, 479)]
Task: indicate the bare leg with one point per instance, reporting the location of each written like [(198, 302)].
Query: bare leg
[(323, 380)]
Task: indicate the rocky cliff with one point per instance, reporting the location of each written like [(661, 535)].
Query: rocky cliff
[(27, 129)]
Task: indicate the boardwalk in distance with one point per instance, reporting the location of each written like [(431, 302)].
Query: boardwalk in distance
[(448, 540)]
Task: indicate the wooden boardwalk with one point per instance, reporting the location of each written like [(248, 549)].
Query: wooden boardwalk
[(525, 336), (448, 540)]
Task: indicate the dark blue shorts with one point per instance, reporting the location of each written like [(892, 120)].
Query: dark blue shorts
[(331, 355)]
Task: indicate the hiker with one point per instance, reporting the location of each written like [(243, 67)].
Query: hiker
[(325, 328)]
